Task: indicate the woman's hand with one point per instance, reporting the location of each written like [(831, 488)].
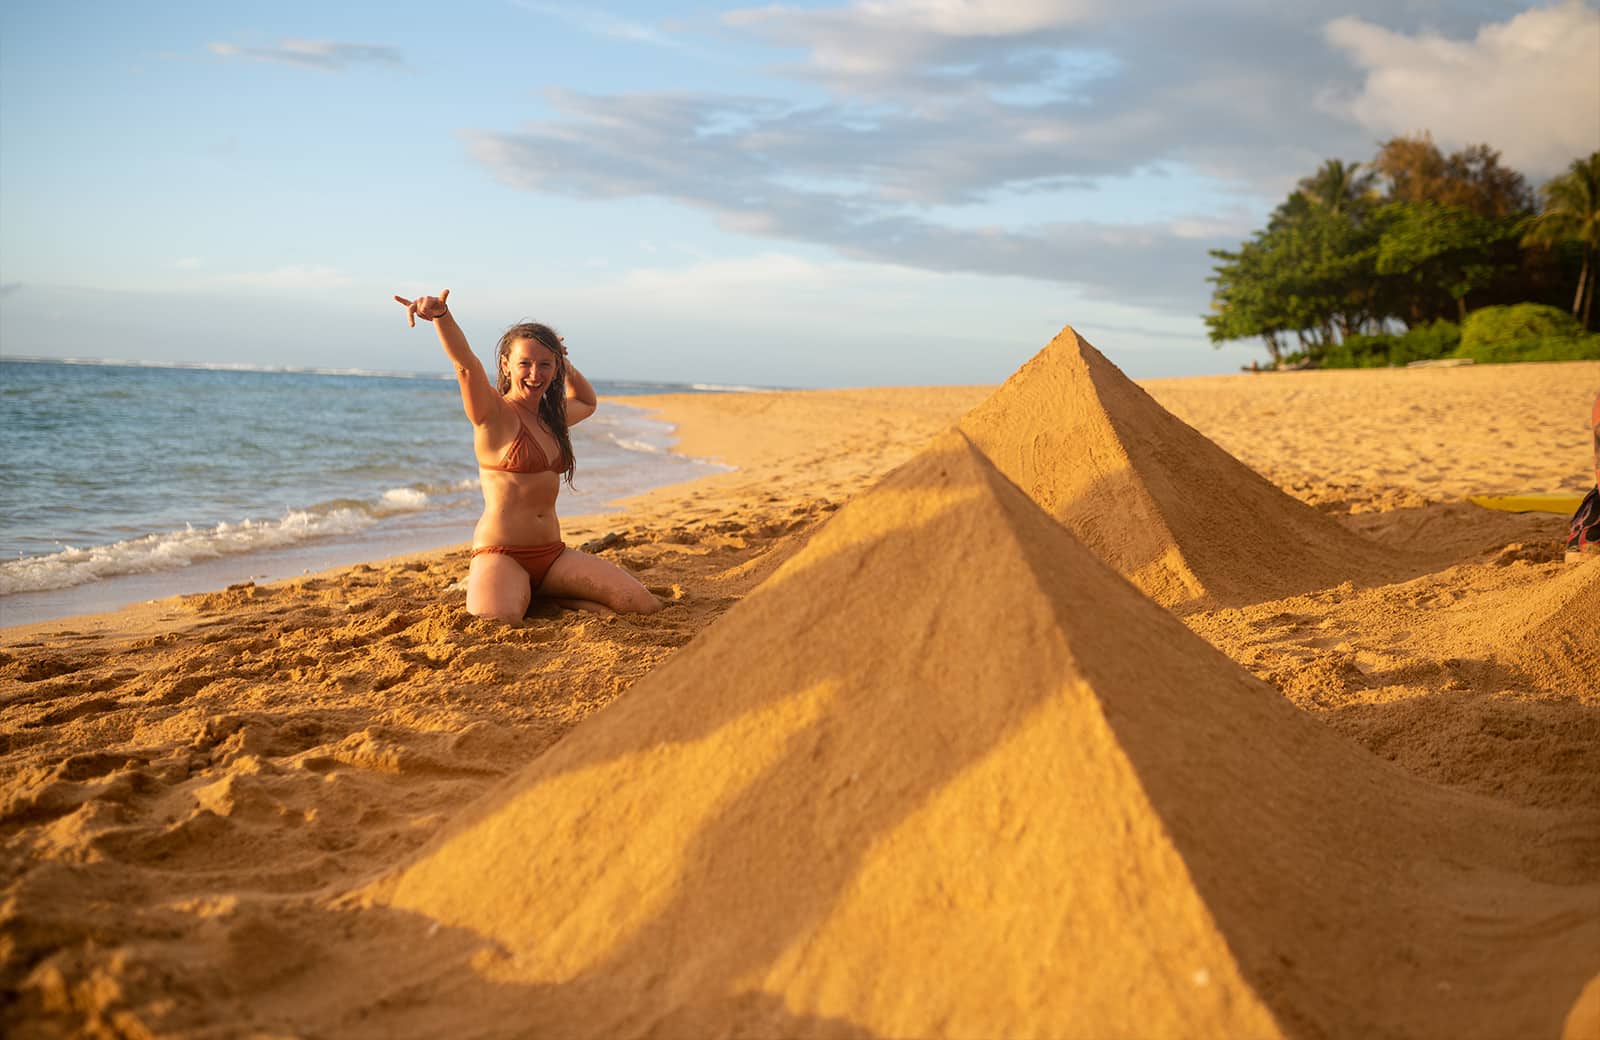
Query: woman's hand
[(425, 307)]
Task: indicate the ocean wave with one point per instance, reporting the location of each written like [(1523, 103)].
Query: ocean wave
[(625, 388), (633, 444), (730, 388), (160, 552), (403, 500), (175, 549)]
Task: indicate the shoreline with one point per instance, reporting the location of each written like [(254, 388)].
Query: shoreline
[(675, 410), (1286, 457), (414, 534)]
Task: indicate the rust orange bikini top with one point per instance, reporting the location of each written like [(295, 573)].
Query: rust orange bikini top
[(524, 455)]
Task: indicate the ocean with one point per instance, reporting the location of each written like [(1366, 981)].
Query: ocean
[(123, 482)]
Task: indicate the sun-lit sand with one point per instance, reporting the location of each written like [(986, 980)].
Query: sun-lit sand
[(1026, 711)]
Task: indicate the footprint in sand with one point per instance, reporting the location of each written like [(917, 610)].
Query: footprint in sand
[(115, 680), (38, 796), (425, 659), (174, 688), (48, 667), (92, 706)]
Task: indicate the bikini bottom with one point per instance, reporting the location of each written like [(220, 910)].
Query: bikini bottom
[(535, 559)]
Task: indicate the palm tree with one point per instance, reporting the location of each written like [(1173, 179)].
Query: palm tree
[(1338, 187), (1572, 214)]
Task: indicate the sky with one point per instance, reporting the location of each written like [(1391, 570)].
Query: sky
[(882, 192)]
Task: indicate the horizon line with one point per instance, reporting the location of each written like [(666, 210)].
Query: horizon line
[(241, 366)]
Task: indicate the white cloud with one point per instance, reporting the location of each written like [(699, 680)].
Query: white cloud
[(602, 23), (766, 275), (967, 137), (1227, 226), (643, 155), (780, 318), (323, 55), (773, 284), (291, 276), (980, 17), (879, 41), (877, 48), (1529, 87)]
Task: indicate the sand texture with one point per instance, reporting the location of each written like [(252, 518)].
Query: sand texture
[(1071, 708)]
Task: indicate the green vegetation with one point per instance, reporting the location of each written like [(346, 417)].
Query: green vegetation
[(1571, 217), (1526, 332), (1426, 342), (1401, 259)]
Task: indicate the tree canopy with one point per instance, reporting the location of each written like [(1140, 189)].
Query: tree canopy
[(1411, 238), (1572, 216)]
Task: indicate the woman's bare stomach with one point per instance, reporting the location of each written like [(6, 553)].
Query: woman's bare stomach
[(517, 514)]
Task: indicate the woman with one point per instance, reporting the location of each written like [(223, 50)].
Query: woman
[(520, 438)]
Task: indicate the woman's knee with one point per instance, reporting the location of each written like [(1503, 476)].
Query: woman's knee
[(490, 601), (638, 601), (496, 612), (578, 576), (632, 597)]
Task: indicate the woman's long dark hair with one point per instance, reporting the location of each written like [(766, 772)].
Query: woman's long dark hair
[(553, 402)]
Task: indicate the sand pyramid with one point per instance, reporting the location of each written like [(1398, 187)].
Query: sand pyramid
[(1178, 516), (946, 774)]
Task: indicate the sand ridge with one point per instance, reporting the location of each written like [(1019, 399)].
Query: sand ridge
[(202, 795)]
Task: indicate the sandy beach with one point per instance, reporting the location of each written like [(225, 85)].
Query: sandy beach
[(1068, 708)]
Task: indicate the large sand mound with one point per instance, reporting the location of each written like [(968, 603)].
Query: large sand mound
[(945, 774), (1175, 514)]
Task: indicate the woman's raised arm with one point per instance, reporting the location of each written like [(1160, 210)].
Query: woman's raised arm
[(478, 395), (581, 399)]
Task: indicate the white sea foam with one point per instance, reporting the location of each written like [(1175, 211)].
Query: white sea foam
[(620, 453), (633, 444), (159, 552), (730, 388), (402, 500)]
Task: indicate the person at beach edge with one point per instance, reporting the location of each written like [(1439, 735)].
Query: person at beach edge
[(523, 449)]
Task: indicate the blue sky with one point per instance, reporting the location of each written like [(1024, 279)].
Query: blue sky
[(878, 192)]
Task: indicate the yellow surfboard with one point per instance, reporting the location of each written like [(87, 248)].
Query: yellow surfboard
[(1563, 502)]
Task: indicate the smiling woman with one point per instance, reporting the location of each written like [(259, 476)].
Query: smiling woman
[(523, 448)]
